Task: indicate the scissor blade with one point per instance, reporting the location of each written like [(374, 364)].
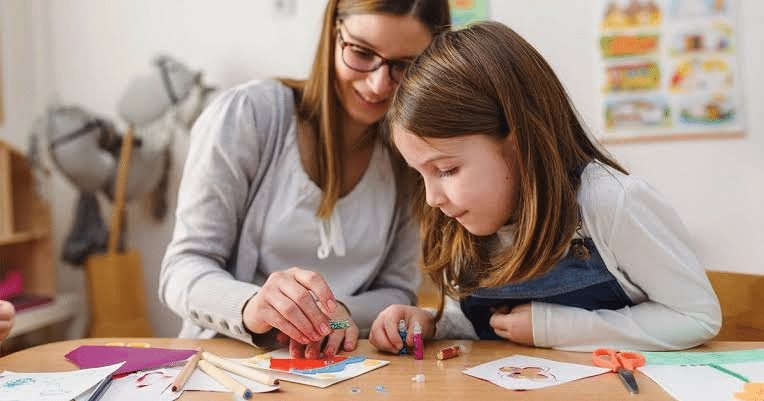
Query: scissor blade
[(627, 377)]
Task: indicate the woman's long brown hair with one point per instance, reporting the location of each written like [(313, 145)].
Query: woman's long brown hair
[(318, 105), (488, 80)]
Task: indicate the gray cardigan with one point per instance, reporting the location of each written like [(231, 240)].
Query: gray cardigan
[(211, 267)]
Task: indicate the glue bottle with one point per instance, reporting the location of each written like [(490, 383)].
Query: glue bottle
[(402, 332), (418, 343)]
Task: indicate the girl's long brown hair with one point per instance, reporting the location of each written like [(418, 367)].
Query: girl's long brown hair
[(488, 80), (318, 105)]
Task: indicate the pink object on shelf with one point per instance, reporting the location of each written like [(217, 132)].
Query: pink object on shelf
[(95, 356), (12, 285)]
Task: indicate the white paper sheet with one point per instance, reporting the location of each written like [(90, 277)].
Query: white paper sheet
[(701, 382), (155, 385), (520, 372), (321, 380), (57, 386)]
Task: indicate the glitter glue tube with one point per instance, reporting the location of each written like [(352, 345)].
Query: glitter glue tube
[(450, 352), (418, 344), (402, 332)]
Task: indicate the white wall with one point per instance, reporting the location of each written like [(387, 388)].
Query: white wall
[(86, 51)]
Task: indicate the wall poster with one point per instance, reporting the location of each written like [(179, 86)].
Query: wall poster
[(467, 12), (668, 70)]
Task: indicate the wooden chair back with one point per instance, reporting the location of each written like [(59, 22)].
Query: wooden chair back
[(740, 296)]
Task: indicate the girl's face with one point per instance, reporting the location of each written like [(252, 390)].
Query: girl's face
[(473, 179), (366, 96)]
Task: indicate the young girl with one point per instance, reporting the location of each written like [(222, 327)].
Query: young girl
[(290, 210), (541, 237)]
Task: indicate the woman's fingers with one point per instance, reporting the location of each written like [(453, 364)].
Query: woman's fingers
[(333, 342), (315, 283), (296, 350), (351, 337), (309, 318), (313, 350), (287, 302)]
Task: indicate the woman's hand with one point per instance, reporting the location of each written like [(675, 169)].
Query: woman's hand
[(296, 302), (515, 326), (347, 338), (7, 314), (384, 331)]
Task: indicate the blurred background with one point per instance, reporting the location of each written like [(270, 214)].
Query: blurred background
[(86, 52)]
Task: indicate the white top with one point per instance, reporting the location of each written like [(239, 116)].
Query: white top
[(360, 222), (246, 208), (647, 248)]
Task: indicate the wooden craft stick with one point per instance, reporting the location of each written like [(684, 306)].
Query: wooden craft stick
[(240, 370), (226, 380), (188, 368)]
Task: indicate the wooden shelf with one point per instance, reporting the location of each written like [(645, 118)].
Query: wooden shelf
[(26, 244), (65, 306), (20, 238)]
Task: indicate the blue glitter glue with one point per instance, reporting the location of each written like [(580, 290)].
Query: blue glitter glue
[(402, 332), (333, 368)]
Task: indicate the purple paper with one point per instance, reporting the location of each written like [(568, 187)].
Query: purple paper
[(96, 356)]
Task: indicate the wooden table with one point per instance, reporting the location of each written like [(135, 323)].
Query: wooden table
[(444, 380)]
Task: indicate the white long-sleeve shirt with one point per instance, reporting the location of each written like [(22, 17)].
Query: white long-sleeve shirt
[(646, 247)]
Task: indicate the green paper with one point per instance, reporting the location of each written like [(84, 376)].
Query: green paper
[(703, 358)]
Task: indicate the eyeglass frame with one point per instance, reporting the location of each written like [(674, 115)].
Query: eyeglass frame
[(383, 60)]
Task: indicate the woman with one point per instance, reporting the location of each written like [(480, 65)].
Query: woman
[(290, 211)]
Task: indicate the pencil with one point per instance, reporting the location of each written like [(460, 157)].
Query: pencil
[(225, 380), (188, 368), (96, 395), (240, 370)]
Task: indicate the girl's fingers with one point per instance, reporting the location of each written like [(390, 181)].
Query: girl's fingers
[(392, 333), (381, 336)]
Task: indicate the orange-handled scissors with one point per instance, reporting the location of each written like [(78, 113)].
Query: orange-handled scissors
[(622, 363)]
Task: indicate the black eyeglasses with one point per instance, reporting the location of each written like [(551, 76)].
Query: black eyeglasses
[(361, 59)]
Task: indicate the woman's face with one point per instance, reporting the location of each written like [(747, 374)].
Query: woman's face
[(366, 96), (474, 179)]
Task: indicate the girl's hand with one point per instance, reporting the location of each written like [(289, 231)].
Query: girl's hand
[(286, 302), (7, 314), (347, 338), (515, 326), (384, 331)]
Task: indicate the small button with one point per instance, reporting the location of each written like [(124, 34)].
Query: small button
[(209, 318), (238, 329), (224, 325), (194, 314)]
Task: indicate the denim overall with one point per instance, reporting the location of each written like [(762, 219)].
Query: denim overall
[(578, 280)]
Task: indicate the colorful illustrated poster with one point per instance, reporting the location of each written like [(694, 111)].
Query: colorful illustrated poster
[(466, 12), (668, 69)]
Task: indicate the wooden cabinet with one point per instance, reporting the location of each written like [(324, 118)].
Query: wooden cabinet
[(26, 245)]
